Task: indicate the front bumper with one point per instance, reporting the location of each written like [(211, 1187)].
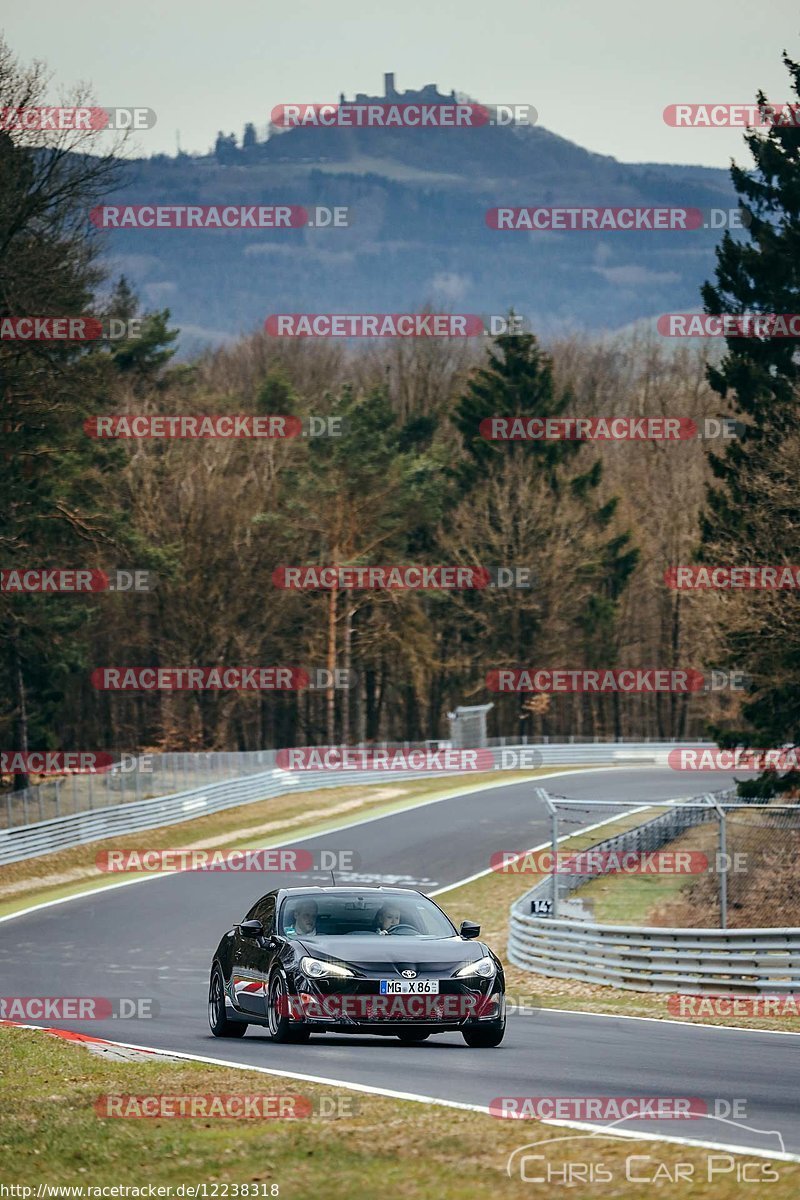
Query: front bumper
[(357, 1005)]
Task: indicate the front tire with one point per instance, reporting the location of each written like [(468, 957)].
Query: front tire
[(486, 1036), (218, 1021), (281, 1029)]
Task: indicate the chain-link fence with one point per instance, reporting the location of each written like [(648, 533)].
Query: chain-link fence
[(711, 862), (131, 778), (143, 777)]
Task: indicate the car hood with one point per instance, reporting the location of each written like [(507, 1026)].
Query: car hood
[(399, 953)]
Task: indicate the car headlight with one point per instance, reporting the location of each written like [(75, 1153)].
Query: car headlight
[(484, 967), (315, 968)]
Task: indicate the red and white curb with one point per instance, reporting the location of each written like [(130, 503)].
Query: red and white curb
[(114, 1051)]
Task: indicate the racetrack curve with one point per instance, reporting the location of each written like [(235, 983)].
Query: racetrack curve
[(155, 939)]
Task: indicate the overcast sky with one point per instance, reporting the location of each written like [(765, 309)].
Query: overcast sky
[(599, 72)]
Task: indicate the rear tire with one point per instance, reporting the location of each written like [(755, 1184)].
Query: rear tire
[(485, 1037), (281, 1029), (218, 1021), (410, 1037)]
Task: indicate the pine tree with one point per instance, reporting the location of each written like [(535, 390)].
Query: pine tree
[(746, 519), (518, 381), (61, 495)]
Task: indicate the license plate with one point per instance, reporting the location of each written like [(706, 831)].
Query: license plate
[(409, 987)]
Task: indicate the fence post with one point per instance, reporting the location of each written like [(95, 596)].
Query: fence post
[(542, 794), (723, 865)]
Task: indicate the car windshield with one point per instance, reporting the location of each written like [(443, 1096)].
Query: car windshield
[(356, 913)]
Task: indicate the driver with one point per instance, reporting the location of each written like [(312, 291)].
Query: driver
[(386, 918), (304, 919)]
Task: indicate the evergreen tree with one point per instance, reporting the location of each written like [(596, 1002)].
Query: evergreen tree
[(745, 521), (141, 359), (225, 148), (517, 381)]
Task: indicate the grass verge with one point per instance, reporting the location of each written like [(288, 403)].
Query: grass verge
[(373, 1145)]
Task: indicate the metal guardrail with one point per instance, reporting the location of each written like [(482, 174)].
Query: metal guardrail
[(167, 774), (660, 960), (641, 958), (60, 832)]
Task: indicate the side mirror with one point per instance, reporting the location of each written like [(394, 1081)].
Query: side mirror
[(469, 929), (251, 929)]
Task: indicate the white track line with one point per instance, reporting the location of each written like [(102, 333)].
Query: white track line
[(417, 1098), (579, 1012)]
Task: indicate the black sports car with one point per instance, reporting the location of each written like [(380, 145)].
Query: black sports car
[(339, 959)]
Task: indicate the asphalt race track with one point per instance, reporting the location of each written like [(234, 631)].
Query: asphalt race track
[(155, 939)]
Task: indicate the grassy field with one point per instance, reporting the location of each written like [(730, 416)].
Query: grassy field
[(51, 1133), (632, 899)]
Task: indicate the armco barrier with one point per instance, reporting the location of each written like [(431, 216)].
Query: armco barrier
[(641, 958), (660, 960), (58, 833)]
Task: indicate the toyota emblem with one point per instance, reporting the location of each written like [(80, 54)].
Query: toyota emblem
[(409, 974)]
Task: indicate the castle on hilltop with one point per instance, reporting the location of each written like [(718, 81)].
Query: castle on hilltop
[(429, 94)]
